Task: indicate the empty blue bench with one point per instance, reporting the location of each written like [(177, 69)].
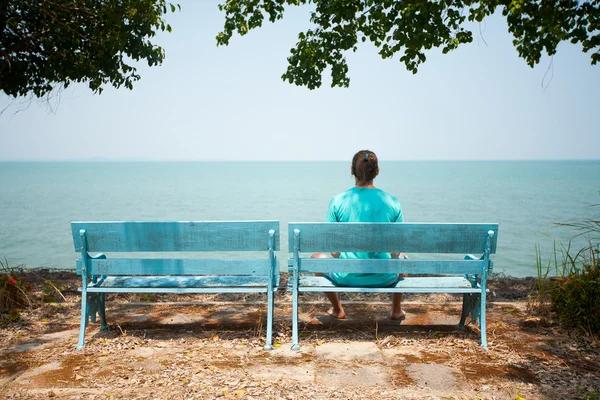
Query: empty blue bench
[(449, 274), (101, 275)]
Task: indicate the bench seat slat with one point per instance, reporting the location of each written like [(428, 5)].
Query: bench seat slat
[(175, 266), (412, 285), (239, 289), (436, 267), (216, 282)]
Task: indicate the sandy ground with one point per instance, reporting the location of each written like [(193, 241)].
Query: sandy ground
[(183, 347)]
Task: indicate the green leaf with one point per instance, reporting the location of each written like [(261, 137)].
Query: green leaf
[(90, 42)]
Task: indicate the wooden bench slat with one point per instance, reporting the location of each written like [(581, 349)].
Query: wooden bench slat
[(176, 266), (389, 237), (443, 240), (457, 267), (173, 283), (188, 236), (180, 290), (406, 285), (136, 273)]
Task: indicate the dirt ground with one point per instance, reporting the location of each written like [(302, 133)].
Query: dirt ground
[(210, 346)]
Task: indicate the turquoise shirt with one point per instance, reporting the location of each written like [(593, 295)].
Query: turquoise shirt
[(364, 205)]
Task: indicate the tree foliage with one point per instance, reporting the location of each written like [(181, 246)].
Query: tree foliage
[(408, 28), (44, 43)]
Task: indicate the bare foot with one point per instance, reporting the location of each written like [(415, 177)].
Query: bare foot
[(339, 314), (397, 315)]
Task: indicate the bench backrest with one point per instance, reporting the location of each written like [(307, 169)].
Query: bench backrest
[(445, 238), (187, 236)]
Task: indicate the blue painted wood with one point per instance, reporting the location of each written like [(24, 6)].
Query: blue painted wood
[(318, 284), (446, 267), (188, 236), (84, 282), (441, 239), (173, 274), (393, 237), (447, 284), (177, 266), (237, 289), (174, 282), (272, 284), (295, 234), (484, 276)]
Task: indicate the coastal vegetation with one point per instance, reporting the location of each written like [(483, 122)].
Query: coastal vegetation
[(23, 289), (573, 291), (14, 290), (407, 30)]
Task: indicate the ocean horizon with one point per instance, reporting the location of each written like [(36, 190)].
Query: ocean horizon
[(527, 198)]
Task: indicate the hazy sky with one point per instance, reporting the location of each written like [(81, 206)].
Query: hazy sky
[(229, 103)]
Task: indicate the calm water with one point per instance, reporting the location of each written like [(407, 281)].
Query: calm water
[(38, 200)]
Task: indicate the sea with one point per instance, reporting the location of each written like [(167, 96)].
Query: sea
[(38, 200)]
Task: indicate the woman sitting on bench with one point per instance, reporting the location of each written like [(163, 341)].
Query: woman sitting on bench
[(364, 203)]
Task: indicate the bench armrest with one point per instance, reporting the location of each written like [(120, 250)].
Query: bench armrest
[(472, 257)]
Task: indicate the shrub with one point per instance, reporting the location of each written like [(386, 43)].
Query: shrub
[(53, 291), (14, 289), (575, 292), (576, 297)]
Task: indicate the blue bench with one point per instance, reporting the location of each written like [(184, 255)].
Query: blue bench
[(467, 276), (169, 274)]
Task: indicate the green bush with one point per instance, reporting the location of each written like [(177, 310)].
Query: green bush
[(574, 292), (576, 297), (14, 289)]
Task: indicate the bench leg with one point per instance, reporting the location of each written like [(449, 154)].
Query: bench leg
[(102, 311), (97, 306), (84, 319), (474, 304), (482, 323), (295, 345), (269, 342), (464, 313), (472, 307)]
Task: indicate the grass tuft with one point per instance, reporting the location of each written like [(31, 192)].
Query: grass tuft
[(573, 293), (14, 289)]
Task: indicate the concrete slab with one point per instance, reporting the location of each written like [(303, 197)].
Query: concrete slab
[(399, 355), (134, 317), (359, 351), (354, 375), (178, 319), (274, 372), (433, 376), (25, 378), (155, 351), (145, 352), (285, 351), (45, 340)]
